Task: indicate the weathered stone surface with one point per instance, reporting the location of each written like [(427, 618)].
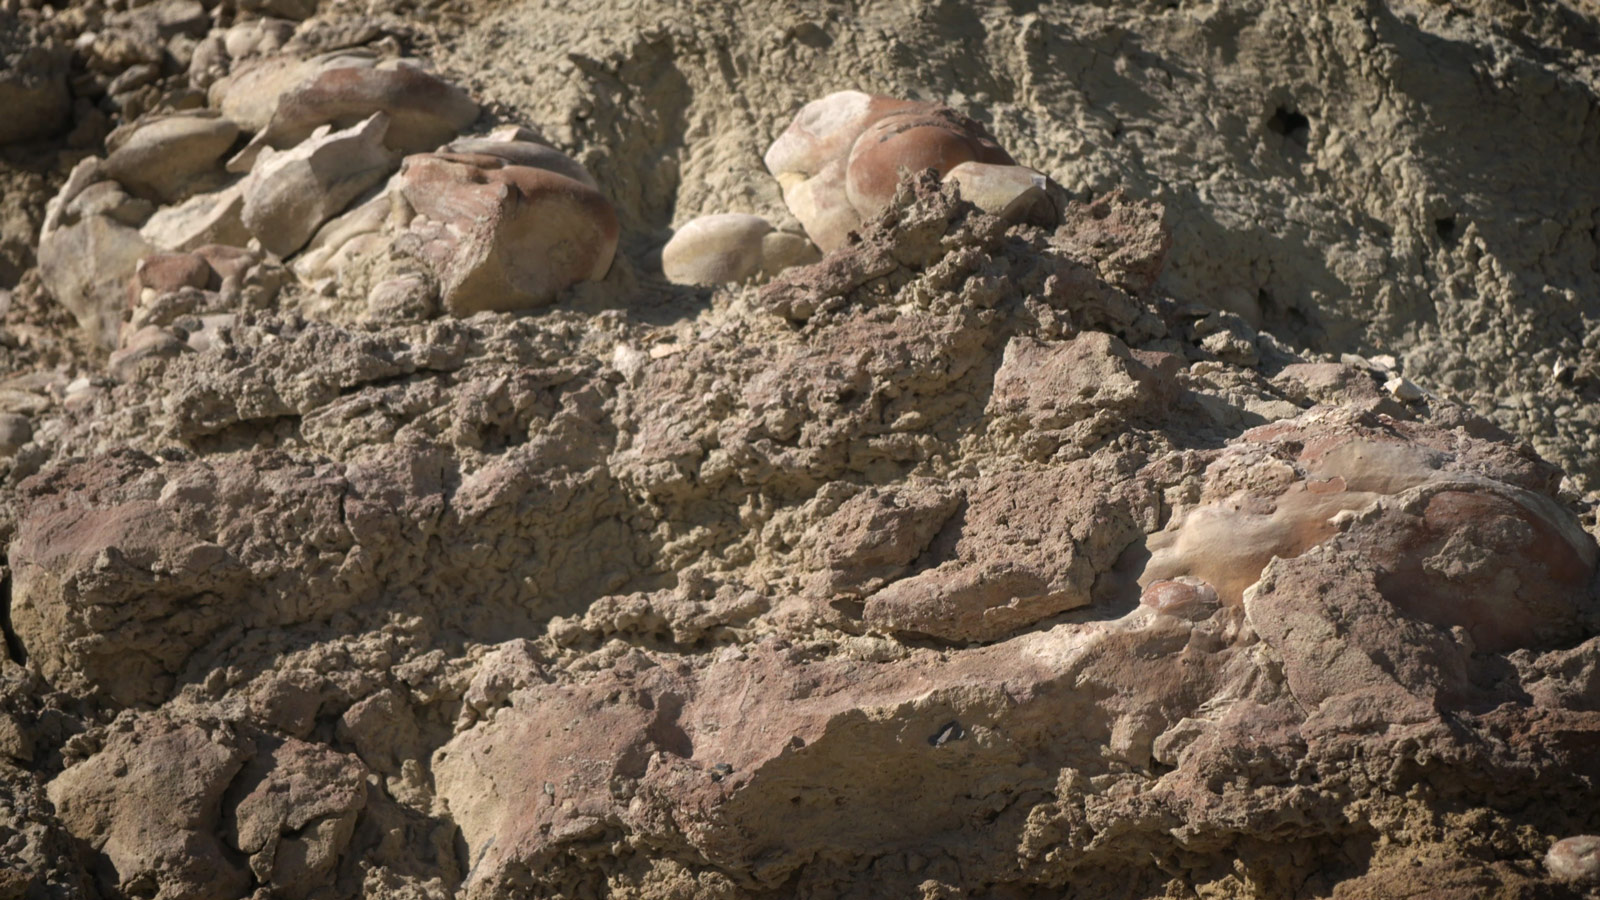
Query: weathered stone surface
[(519, 147), (423, 110), (366, 228), (210, 218), (911, 140), (505, 237), (841, 158), (1575, 859), (719, 249), (825, 130), (1014, 193), (297, 814), (782, 250), (151, 801), (1029, 546), (167, 158), (250, 93), (86, 266), (290, 193)]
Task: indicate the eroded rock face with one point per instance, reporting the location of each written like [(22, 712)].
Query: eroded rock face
[(958, 561)]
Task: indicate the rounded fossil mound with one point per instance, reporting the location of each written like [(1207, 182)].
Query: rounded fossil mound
[(407, 511)]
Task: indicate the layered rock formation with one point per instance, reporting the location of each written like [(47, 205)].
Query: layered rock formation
[(420, 538)]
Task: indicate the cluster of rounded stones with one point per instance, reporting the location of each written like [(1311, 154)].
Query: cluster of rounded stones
[(838, 164), (339, 158)]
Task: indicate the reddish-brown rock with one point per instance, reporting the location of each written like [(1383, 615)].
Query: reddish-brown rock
[(505, 237)]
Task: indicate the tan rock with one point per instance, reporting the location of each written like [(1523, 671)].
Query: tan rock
[(502, 237), (249, 94), (289, 194), (716, 249), (423, 110), (821, 205), (781, 250), (166, 158), (211, 218), (1014, 193)]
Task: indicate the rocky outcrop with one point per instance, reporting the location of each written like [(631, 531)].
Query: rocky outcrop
[(970, 559)]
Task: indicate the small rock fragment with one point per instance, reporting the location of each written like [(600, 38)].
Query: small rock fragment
[(423, 111), (1185, 597), (1403, 389), (1014, 193)]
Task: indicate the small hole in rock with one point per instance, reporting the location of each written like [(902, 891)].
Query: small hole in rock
[(1446, 228), (1291, 124)]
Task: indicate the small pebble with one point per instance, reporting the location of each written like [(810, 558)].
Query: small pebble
[(1403, 389)]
